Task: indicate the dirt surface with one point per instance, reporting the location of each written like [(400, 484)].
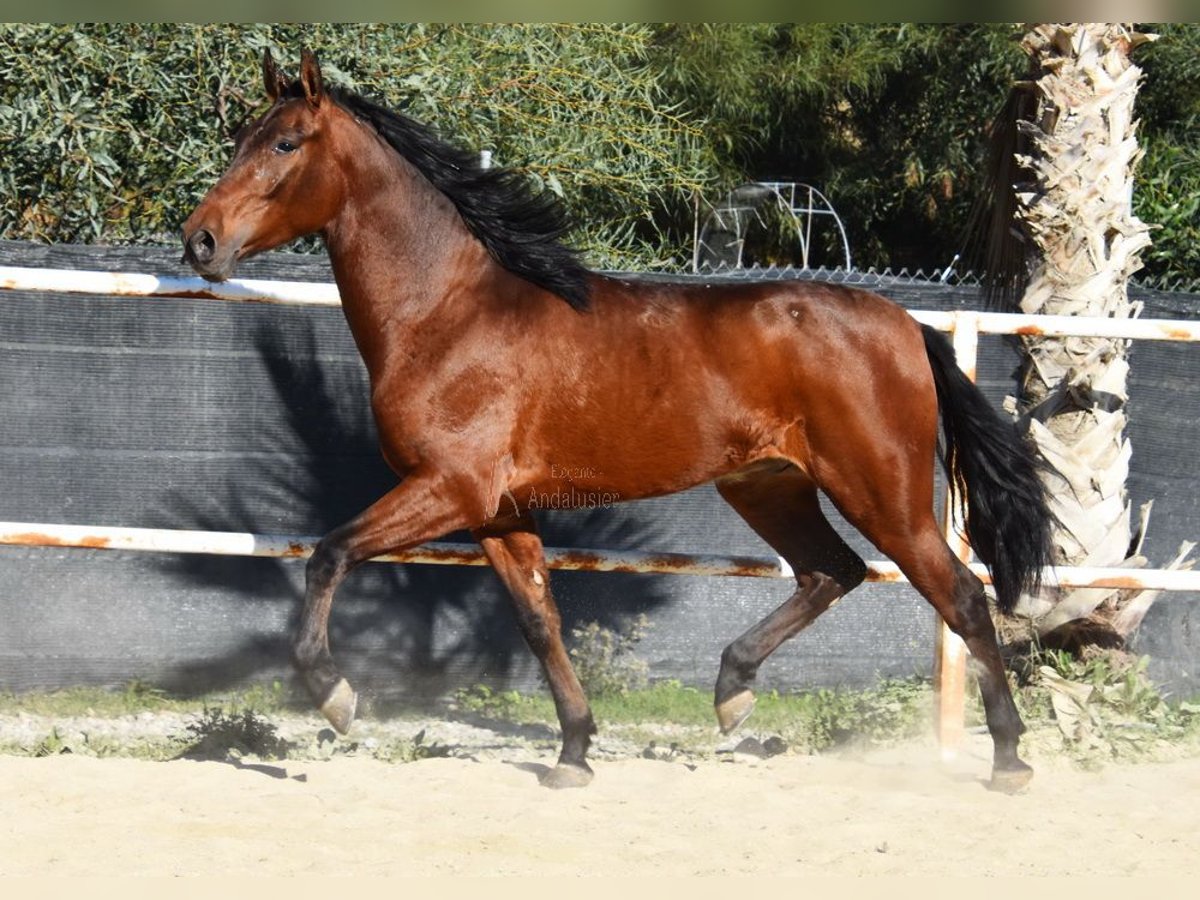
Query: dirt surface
[(893, 812)]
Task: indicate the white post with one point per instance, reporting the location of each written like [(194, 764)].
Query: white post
[(950, 653)]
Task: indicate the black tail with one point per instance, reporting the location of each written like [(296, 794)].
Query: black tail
[(993, 478)]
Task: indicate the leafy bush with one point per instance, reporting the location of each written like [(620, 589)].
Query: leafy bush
[(1168, 197), (509, 705), (218, 734), (113, 131), (604, 660), (894, 710), (1168, 177)]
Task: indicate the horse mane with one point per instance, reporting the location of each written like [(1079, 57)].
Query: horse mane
[(519, 225)]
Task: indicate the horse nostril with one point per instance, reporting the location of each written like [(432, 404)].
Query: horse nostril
[(202, 245)]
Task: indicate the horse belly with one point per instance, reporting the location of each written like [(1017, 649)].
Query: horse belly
[(632, 447)]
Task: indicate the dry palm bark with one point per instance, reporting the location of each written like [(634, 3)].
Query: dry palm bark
[(1075, 210)]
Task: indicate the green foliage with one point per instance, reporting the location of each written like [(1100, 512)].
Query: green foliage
[(895, 710), (603, 658), (261, 698), (1168, 197), (889, 121), (114, 131), (1167, 192), (809, 721), (662, 701), (138, 696), (510, 706), (411, 750), (52, 745), (218, 734), (1095, 709), (134, 697)]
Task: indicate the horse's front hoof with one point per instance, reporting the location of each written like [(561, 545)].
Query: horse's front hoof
[(733, 712), (340, 705), (565, 775), (1011, 781)]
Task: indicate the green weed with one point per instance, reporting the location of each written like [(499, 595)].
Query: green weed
[(219, 734), (1104, 705), (508, 706), (604, 660)]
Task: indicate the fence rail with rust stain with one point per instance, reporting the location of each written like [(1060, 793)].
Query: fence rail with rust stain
[(446, 553), (308, 293)]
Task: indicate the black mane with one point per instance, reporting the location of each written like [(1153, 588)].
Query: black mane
[(519, 226)]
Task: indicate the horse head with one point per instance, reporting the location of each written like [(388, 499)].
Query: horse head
[(278, 186)]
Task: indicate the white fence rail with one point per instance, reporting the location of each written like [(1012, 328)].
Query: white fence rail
[(965, 327), (447, 553), (305, 293)]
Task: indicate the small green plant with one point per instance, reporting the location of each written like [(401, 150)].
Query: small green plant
[(218, 734), (604, 660), (1103, 703), (412, 750), (52, 745), (511, 706), (138, 696), (893, 710)]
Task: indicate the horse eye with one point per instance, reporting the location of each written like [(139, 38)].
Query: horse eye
[(285, 147)]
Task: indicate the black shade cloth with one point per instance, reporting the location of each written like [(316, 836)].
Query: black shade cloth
[(191, 414)]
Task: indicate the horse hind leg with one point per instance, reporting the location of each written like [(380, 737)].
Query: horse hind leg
[(958, 596), (782, 507), (895, 513)]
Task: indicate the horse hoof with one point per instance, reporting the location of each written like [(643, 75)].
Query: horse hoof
[(565, 775), (734, 711), (1011, 781), (339, 707)]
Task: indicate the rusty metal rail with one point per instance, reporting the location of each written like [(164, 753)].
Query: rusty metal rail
[(446, 553)]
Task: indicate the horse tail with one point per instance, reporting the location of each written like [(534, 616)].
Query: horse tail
[(994, 480)]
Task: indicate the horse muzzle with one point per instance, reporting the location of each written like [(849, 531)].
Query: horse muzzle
[(203, 253)]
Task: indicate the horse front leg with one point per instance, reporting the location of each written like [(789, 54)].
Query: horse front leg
[(515, 552), (417, 510)]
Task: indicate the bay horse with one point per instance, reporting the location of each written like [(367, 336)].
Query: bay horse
[(503, 371)]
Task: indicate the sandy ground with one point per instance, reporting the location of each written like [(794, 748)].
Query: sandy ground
[(894, 812)]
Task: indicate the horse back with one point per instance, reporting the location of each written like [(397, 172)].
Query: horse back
[(659, 386)]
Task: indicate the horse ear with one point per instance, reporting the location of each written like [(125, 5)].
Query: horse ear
[(310, 78), (275, 83)]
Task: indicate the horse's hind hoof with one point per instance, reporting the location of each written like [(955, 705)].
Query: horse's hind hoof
[(565, 775), (340, 705), (734, 711), (1011, 781)]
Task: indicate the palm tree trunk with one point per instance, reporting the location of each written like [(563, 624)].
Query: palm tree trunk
[(1084, 242)]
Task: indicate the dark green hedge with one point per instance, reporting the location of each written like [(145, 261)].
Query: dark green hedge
[(112, 132)]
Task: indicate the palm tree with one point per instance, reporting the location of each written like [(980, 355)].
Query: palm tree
[(1075, 149)]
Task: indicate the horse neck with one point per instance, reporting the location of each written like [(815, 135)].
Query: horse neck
[(401, 256)]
